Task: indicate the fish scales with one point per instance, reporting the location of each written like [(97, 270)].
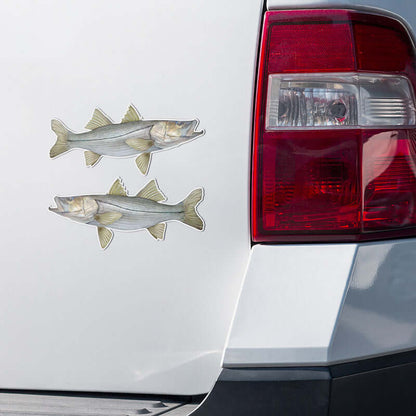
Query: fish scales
[(116, 210), (137, 212), (136, 203), (132, 137), (111, 140)]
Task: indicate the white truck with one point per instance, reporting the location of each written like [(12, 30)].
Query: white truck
[(236, 228)]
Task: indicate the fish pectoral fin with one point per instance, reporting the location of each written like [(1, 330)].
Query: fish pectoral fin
[(143, 162), (131, 115), (105, 236), (91, 158), (117, 188), (108, 218), (99, 119), (140, 144), (152, 191), (158, 231)]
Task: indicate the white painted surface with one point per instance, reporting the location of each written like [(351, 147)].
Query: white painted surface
[(143, 316), (322, 304), (289, 304)]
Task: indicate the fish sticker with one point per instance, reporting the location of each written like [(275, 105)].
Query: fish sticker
[(133, 136), (118, 211)]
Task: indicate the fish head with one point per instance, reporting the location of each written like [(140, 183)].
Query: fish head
[(170, 133), (78, 208)]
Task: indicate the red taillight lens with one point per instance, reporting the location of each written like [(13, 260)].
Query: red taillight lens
[(309, 183), (389, 180), (298, 48), (324, 168)]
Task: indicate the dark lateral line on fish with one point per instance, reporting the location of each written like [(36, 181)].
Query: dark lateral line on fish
[(134, 210), (105, 138)]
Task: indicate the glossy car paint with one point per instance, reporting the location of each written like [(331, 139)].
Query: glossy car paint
[(323, 304), (378, 312), (151, 318), (143, 316), (289, 304)]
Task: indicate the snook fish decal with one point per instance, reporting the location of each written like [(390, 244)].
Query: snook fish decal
[(117, 211), (133, 136)]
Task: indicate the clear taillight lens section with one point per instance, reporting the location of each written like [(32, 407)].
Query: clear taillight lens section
[(313, 102), (334, 154), (386, 101), (339, 100)]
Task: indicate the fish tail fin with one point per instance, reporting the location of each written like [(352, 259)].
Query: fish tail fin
[(61, 145), (191, 217)]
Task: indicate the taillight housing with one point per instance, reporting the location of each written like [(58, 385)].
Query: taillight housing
[(334, 149)]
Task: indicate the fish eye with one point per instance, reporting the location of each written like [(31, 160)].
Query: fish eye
[(180, 123)]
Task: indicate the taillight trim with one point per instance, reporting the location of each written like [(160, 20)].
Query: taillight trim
[(315, 16)]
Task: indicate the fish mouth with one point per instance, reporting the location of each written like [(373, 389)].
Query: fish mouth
[(192, 127), (191, 132), (197, 134), (59, 206)]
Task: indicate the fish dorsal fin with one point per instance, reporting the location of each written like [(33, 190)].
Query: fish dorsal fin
[(117, 188), (152, 191), (99, 119), (158, 231), (131, 115), (105, 236), (143, 162), (108, 218), (91, 158)]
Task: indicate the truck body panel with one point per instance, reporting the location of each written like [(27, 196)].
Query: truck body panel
[(143, 315), (173, 317), (324, 304)]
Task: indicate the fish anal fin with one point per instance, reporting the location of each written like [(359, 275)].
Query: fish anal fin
[(140, 144), (99, 119), (108, 218), (117, 188), (143, 162), (158, 231), (131, 115), (91, 158), (105, 236), (152, 191)]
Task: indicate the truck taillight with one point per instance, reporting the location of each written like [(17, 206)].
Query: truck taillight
[(334, 150)]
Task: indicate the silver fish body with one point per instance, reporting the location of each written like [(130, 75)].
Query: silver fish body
[(133, 136), (111, 140), (137, 213), (117, 211)]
